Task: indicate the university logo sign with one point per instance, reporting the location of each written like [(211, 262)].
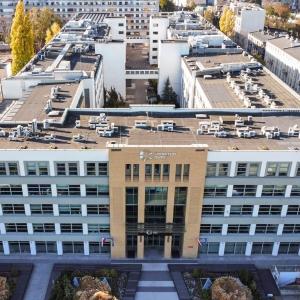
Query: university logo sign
[(147, 155)]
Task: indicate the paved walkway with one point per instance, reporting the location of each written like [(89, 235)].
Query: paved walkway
[(39, 281), (156, 283)]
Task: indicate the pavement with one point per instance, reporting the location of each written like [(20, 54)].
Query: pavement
[(156, 283), (39, 281), (136, 94)]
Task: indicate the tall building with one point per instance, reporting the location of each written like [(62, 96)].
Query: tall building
[(147, 180), (137, 12)]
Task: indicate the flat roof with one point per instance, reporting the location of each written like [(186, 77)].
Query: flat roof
[(287, 45), (32, 105), (221, 95), (185, 133)]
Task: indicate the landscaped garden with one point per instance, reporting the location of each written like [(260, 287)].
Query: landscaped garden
[(210, 285), (98, 284)]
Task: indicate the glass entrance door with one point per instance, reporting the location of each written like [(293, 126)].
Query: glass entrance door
[(154, 241)]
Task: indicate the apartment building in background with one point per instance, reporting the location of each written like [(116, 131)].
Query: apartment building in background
[(281, 54), (248, 18), (137, 12)]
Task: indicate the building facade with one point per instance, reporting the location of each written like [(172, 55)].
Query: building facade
[(137, 12), (128, 201)]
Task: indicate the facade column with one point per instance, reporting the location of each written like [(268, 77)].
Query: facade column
[(140, 246), (168, 247), (5, 247), (252, 229), (32, 248), (59, 248), (275, 248), (280, 229), (248, 249), (224, 229), (227, 210), (86, 248), (284, 210), (222, 249), (27, 209)]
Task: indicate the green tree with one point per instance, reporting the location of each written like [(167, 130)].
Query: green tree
[(52, 32), (21, 39), (166, 5), (168, 95), (191, 5), (113, 99), (42, 19)]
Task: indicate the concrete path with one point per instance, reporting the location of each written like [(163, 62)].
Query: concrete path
[(38, 282), (156, 283)]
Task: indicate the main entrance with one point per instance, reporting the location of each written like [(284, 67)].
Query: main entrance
[(154, 245)]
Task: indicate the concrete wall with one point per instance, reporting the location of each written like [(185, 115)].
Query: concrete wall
[(114, 59), (169, 64)]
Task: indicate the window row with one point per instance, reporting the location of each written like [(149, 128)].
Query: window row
[(50, 227), (251, 169), (249, 190), (41, 168), (62, 190), (50, 247), (63, 209), (258, 248)]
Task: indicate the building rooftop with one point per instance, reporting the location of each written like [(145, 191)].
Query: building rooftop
[(262, 36), (248, 85), (33, 104), (289, 45), (135, 128)]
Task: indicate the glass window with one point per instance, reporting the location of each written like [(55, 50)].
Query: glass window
[(97, 209), (213, 210), (45, 247), (97, 190), (209, 248), (215, 191), (2, 169), (178, 172), (166, 171), (39, 189), (244, 190), (186, 171), (36, 168), (13, 169), (235, 248), (11, 190), (41, 209), (277, 169), (71, 228), (291, 228), (43, 227), (13, 209), (131, 195), (68, 190), (69, 209), (295, 192), (241, 169), (180, 195), (241, 209), (273, 190), (211, 169), (269, 210), (16, 227), (98, 228), (157, 171), (156, 195), (293, 210), (90, 169), (72, 247), (211, 228), (148, 171), (262, 248), (103, 169), (288, 248), (266, 228), (19, 247), (238, 228)]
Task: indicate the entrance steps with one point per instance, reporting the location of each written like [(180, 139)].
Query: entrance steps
[(156, 283)]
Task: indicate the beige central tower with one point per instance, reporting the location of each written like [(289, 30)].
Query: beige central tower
[(161, 177)]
